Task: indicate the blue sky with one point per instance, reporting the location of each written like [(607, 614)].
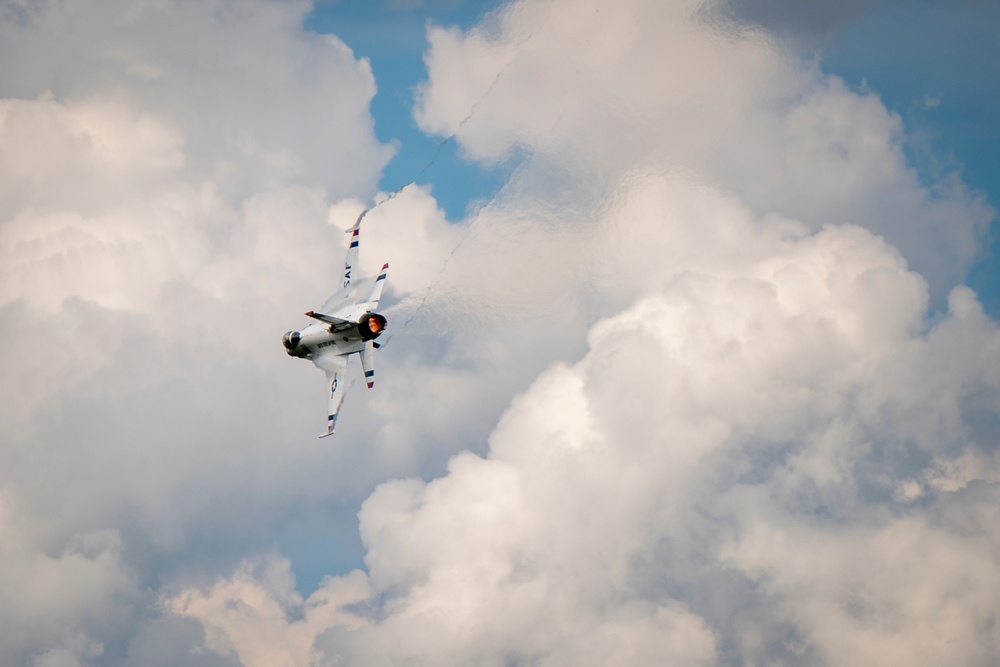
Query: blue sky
[(936, 64), (394, 39)]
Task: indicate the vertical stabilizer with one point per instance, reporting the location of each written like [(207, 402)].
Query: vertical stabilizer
[(352, 252)]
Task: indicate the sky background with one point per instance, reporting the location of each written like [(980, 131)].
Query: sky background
[(933, 63), (694, 358)]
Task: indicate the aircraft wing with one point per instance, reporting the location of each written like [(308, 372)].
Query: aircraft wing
[(336, 377)]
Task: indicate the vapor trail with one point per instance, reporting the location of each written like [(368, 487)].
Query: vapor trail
[(472, 112)]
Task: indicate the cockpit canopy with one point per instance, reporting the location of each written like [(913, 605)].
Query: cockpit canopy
[(291, 340)]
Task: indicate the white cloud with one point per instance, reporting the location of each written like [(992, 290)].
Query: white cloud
[(931, 102), (745, 424), (654, 83), (687, 346), (247, 615), (165, 175), (261, 102), (698, 486), (52, 598), (907, 592)]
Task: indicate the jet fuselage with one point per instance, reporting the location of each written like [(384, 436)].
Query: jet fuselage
[(314, 338)]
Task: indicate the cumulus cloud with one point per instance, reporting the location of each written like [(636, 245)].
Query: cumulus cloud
[(762, 425), (642, 84), (248, 613), (673, 395), (715, 480), (260, 102), (167, 171), (58, 600)]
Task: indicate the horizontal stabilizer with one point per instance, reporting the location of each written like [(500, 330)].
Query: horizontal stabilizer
[(368, 363)]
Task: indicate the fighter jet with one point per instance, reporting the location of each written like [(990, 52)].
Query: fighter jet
[(346, 326)]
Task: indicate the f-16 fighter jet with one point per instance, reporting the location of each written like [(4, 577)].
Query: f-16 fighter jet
[(346, 326)]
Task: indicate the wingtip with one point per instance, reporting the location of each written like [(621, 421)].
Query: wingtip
[(385, 266), (331, 426), (371, 384)]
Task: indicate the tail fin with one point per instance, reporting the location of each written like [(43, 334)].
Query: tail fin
[(352, 251), (377, 287)]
